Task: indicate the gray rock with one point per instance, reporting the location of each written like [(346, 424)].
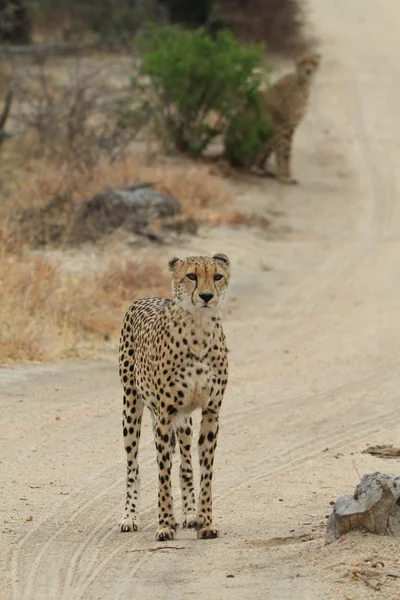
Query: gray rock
[(132, 208), (374, 506), (63, 221)]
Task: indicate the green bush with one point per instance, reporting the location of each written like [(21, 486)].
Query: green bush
[(191, 78), (247, 132)]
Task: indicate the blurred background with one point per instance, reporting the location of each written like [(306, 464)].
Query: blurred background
[(97, 97)]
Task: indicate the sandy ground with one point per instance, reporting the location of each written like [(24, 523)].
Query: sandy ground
[(312, 326)]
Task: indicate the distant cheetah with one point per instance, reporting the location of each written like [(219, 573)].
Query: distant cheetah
[(286, 105), (173, 359)]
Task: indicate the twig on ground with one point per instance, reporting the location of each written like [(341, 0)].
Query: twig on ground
[(158, 548), (369, 583)]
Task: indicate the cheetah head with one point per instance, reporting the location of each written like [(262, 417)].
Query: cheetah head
[(307, 65), (200, 282)]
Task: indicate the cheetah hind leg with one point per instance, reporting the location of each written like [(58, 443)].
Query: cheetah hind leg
[(131, 423), (283, 158), (166, 520), (264, 155), (185, 433), (206, 448)]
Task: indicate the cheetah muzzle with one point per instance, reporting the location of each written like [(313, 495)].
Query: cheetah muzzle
[(173, 359)]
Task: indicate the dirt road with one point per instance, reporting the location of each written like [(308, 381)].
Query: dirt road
[(314, 363)]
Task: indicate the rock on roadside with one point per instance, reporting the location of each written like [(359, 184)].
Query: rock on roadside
[(63, 221), (374, 506)]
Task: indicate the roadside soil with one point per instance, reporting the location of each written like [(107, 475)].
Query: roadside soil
[(313, 328)]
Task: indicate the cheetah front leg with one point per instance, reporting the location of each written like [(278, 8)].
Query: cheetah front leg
[(184, 434), (265, 154), (131, 423), (166, 519), (283, 157), (206, 447)]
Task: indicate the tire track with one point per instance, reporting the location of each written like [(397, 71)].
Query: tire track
[(302, 301), (380, 202), (79, 593), (45, 548), (337, 444), (359, 432), (233, 417), (253, 414), (310, 448)]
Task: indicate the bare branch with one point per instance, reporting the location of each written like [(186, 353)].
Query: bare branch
[(7, 107), (47, 49)]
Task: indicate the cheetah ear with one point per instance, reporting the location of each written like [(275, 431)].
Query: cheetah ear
[(223, 258), (172, 263)]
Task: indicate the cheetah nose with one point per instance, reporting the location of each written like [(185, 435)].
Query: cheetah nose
[(206, 296)]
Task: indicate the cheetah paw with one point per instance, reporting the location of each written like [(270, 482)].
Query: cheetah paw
[(127, 524), (207, 532), (165, 533), (189, 522), (288, 180), (263, 172)]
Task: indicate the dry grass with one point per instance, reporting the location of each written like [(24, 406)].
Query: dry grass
[(66, 107), (39, 181), (47, 312), (236, 218)]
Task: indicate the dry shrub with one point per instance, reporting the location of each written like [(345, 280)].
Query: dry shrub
[(47, 312), (236, 218), (61, 113), (279, 23), (191, 184), (66, 108)]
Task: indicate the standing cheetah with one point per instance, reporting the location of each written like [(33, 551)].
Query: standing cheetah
[(286, 105), (173, 359)]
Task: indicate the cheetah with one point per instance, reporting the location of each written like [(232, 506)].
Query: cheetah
[(285, 107), (173, 359)]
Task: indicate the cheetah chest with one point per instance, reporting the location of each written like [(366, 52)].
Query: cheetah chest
[(297, 107), (187, 386), (199, 381), (179, 371)]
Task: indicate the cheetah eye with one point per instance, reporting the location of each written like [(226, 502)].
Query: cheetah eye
[(192, 276), (218, 277)]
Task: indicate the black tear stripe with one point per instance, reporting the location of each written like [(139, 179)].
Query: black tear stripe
[(195, 288)]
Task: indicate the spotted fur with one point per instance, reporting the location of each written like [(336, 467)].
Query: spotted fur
[(173, 359), (286, 105)]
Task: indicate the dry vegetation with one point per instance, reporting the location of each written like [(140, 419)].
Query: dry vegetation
[(236, 218), (66, 143), (278, 23), (48, 310), (38, 181)]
